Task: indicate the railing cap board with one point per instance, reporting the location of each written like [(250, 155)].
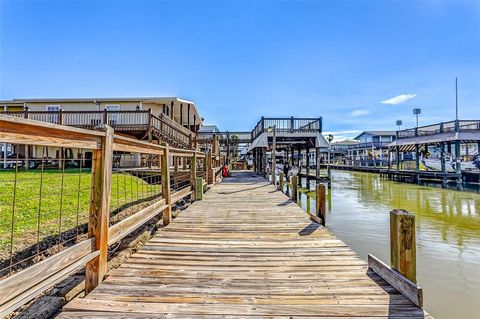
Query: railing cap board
[(24, 131), (127, 144), (23, 123)]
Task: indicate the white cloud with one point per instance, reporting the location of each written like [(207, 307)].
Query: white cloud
[(399, 99), (360, 112)]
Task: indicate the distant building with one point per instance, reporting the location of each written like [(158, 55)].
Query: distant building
[(343, 146), (210, 128), (170, 120), (372, 148)]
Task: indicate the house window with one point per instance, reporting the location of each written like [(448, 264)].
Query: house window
[(165, 110), (53, 108), (112, 107), (53, 118)]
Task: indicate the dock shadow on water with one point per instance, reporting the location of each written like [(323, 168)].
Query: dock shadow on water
[(447, 230)]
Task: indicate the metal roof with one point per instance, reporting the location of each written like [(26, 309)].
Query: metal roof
[(377, 133), (93, 100)]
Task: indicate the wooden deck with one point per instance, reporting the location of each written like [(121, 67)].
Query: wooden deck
[(245, 250)]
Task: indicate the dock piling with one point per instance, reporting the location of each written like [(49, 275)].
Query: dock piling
[(294, 186), (402, 243), (329, 173), (280, 181), (320, 202)]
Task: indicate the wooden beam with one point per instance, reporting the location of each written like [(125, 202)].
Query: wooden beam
[(193, 175), (129, 224), (405, 286), (100, 210), (26, 284), (32, 139), (165, 171), (209, 172), (181, 194), (126, 144)]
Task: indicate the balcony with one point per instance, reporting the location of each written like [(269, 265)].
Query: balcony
[(138, 123), (369, 145), (288, 125)]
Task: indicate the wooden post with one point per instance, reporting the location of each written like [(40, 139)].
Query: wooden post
[(175, 164), (193, 174), (274, 155), (293, 187), (329, 172), (280, 181), (320, 202), (417, 158), (402, 243), (205, 166), (199, 188), (98, 219), (165, 171), (209, 171)]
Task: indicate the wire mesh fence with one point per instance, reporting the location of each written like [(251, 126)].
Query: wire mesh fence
[(67, 195), (44, 203), (180, 176), (136, 183)]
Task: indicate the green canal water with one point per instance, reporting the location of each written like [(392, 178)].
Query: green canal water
[(448, 234)]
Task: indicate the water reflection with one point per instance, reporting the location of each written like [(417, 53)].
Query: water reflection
[(448, 234)]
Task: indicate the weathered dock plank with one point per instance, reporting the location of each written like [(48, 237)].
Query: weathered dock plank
[(244, 250)]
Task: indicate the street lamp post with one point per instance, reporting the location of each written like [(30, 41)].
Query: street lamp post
[(416, 112)]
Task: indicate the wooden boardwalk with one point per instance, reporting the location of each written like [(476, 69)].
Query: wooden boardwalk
[(244, 251)]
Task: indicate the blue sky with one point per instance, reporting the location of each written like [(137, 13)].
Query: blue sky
[(241, 60)]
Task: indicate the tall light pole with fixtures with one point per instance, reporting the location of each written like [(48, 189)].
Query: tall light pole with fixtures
[(416, 112)]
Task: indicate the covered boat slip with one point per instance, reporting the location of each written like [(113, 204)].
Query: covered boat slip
[(289, 136), (458, 133), (245, 250)]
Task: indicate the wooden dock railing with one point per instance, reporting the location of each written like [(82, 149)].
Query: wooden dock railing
[(84, 203)]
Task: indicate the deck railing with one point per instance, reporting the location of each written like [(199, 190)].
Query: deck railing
[(129, 120), (369, 145), (240, 137), (444, 127), (62, 213), (285, 125)]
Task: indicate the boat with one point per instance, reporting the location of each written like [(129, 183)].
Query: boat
[(434, 163)]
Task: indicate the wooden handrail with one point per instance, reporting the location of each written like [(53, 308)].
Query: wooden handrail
[(91, 253)]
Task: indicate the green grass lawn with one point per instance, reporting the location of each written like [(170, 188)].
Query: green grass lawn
[(65, 200)]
